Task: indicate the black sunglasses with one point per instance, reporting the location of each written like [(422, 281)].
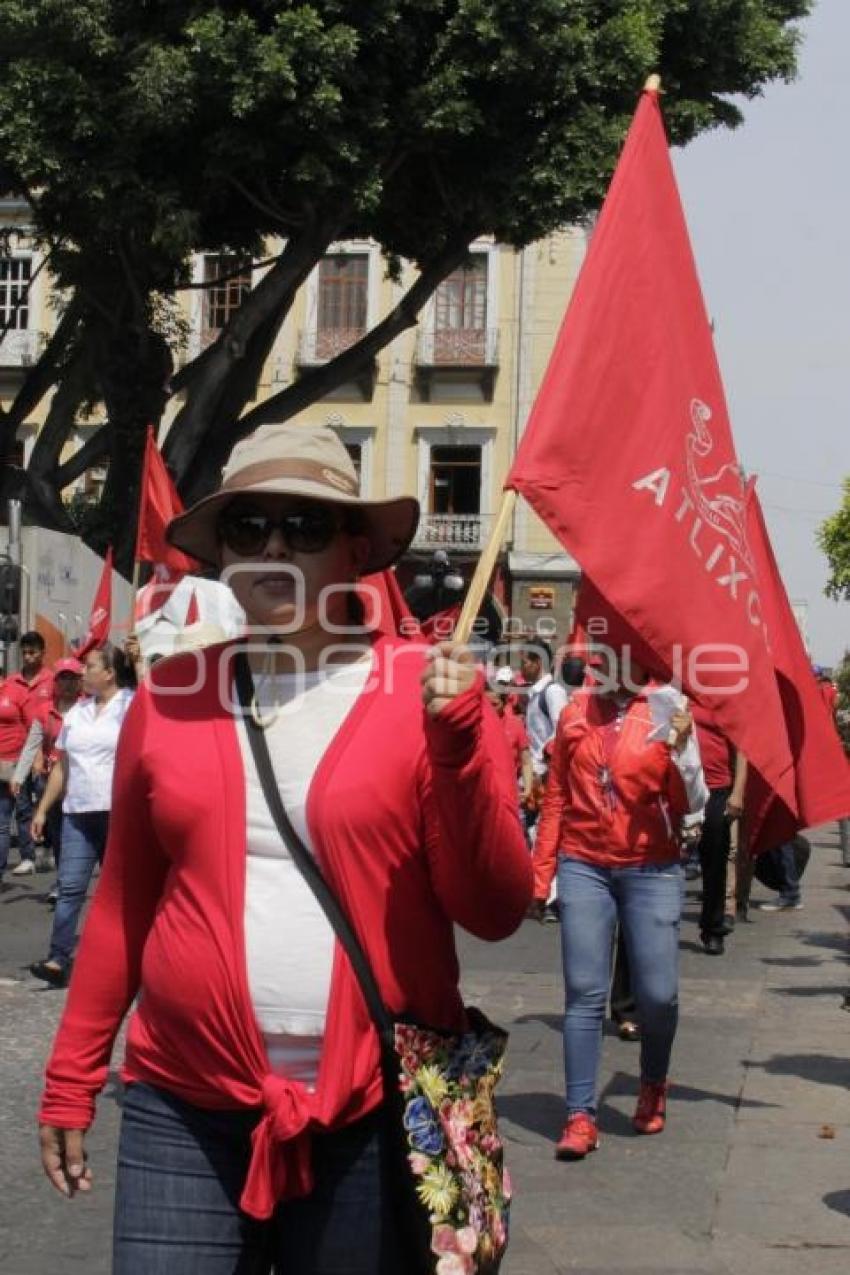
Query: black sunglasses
[(248, 531)]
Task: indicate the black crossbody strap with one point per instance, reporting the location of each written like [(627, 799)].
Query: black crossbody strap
[(304, 860)]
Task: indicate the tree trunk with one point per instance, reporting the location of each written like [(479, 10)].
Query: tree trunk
[(133, 364)]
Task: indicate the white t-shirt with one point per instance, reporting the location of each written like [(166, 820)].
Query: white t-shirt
[(88, 738), (541, 723), (289, 943)]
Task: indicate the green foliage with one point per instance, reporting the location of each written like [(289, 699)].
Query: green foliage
[(141, 131), (834, 539), (179, 124), (842, 681)]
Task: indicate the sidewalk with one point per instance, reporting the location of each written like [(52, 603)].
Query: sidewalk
[(741, 1183)]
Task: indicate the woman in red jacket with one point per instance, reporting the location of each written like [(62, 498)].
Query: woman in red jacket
[(250, 1129), (614, 801)]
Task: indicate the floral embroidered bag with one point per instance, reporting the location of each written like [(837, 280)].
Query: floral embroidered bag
[(443, 1154)]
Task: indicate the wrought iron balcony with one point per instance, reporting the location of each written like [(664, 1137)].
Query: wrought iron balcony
[(458, 347), (320, 345), (21, 349), (452, 531)]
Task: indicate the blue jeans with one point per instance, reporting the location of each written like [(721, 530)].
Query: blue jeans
[(83, 844), (180, 1175), (28, 798), (647, 903), (786, 869), (7, 805)]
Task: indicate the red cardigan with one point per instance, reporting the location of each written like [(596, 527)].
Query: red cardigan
[(415, 825)]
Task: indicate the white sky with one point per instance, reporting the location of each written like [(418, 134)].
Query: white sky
[(768, 207)]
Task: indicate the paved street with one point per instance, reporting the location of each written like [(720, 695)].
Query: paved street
[(744, 1181)]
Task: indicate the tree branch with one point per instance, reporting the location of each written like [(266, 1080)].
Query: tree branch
[(277, 214), (74, 388), (42, 376), (316, 384), (93, 450), (233, 274), (207, 377)]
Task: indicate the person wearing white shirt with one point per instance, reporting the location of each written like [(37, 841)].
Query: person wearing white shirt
[(82, 779), (547, 699)]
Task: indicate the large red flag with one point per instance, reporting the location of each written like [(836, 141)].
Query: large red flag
[(821, 770), (628, 455), (158, 505), (100, 620)]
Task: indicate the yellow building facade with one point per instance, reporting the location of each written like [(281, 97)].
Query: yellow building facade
[(438, 414)]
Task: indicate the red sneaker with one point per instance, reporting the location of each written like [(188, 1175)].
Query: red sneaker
[(651, 1111), (580, 1135)]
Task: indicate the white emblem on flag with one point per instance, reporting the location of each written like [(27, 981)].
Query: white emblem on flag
[(719, 497)]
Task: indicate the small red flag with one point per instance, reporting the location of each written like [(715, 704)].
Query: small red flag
[(158, 505), (821, 770), (628, 456), (100, 620)]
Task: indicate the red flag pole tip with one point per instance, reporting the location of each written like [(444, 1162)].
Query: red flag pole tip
[(653, 84)]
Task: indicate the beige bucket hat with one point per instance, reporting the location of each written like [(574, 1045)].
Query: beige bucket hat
[(296, 460)]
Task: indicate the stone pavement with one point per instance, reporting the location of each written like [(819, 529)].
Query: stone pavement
[(743, 1182)]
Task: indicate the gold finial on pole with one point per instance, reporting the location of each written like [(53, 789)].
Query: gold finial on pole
[(653, 84)]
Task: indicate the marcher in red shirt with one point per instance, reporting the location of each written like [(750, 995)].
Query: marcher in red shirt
[(725, 772), (616, 794), (39, 755), (252, 1067), (499, 696), (21, 696)]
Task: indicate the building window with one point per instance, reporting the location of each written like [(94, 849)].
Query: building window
[(455, 480), (343, 297), (15, 276), (460, 314), (355, 451), (222, 299)]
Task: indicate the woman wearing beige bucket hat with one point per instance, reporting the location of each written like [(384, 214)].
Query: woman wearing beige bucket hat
[(254, 1101)]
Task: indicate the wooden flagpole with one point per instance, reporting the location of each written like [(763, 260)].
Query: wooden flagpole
[(484, 568)]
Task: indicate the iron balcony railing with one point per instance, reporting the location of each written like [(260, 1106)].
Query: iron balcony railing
[(458, 347), (320, 345), (452, 531)]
